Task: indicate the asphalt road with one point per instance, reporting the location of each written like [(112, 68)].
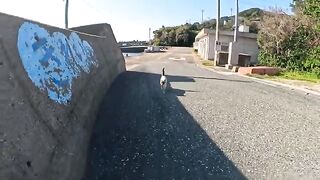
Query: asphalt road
[(207, 126)]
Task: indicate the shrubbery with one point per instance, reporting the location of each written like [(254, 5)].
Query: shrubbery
[(291, 42)]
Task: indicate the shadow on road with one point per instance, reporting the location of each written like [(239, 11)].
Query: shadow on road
[(141, 133), (179, 92), (172, 78)]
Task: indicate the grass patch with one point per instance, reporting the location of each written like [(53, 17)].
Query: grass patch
[(298, 75), (291, 75), (259, 76), (207, 63)]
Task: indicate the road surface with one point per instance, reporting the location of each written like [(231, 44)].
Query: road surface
[(207, 126)]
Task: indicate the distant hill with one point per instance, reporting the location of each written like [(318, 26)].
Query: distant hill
[(250, 17), (252, 13)]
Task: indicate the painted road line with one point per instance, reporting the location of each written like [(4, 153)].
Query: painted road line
[(129, 67), (177, 59)]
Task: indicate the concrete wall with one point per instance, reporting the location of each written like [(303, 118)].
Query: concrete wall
[(51, 83), (203, 47), (249, 46), (133, 49), (206, 45), (195, 45), (233, 57), (211, 50), (243, 46)]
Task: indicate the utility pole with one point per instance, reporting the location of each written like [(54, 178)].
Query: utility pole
[(217, 20), (236, 22), (66, 14), (202, 15), (217, 30), (231, 11), (149, 36)]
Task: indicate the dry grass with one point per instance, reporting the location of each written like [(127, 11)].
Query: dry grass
[(289, 75), (207, 63)]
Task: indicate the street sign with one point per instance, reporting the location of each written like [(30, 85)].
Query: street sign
[(218, 46)]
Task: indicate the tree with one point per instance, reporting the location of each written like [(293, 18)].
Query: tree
[(182, 36), (312, 9), (296, 5), (275, 29), (291, 41), (172, 37)]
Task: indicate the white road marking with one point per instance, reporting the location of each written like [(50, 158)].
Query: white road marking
[(129, 67), (177, 59)]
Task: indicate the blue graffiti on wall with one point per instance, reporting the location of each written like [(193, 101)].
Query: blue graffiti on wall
[(53, 61)]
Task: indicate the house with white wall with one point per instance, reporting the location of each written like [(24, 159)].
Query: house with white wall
[(244, 51)]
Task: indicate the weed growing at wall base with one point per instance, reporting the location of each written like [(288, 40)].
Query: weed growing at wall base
[(300, 75)]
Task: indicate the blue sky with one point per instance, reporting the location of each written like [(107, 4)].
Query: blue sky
[(129, 19)]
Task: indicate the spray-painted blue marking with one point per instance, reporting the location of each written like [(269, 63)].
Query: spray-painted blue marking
[(44, 61), (60, 83), (53, 61), (36, 45)]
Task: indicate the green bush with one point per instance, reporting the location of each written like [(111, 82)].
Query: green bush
[(316, 71), (313, 59), (298, 50), (267, 59)]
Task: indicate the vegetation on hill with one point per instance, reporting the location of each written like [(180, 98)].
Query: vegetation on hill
[(184, 35), (292, 42), (252, 13)]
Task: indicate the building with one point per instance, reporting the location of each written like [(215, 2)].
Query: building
[(243, 28), (244, 52)]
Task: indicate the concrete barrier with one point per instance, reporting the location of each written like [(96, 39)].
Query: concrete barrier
[(133, 49), (261, 70), (51, 83)]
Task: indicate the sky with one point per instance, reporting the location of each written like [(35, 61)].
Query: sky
[(129, 19)]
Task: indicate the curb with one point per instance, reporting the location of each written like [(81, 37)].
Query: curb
[(273, 83)]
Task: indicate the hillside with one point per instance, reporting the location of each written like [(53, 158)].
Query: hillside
[(250, 17), (253, 13)]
